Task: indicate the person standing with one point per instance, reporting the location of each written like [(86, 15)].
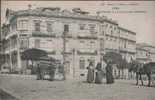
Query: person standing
[(52, 70), (109, 75), (39, 76), (99, 74), (90, 75)]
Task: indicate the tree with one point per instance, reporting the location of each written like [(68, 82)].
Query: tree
[(116, 59)]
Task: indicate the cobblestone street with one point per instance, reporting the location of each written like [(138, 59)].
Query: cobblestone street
[(27, 88)]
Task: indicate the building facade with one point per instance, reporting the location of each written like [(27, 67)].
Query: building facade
[(145, 53), (86, 37), (127, 48)]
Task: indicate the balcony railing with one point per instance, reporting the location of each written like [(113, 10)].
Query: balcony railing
[(41, 34), (81, 52), (87, 36)]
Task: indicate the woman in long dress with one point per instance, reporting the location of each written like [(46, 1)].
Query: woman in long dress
[(90, 75), (99, 74)]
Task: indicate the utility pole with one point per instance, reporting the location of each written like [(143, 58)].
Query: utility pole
[(18, 53), (73, 62)]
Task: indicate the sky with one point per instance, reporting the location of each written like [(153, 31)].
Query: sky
[(137, 16)]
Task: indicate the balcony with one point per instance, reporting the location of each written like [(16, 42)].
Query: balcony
[(13, 49), (123, 49), (87, 36), (87, 52), (41, 34), (127, 50), (68, 35)]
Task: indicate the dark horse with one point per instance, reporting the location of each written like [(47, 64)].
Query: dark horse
[(143, 69)]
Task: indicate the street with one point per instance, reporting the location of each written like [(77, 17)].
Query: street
[(28, 88)]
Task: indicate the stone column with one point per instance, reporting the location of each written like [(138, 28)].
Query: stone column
[(10, 55), (18, 54)]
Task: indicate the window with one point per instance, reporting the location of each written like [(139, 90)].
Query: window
[(125, 45), (37, 43), (102, 44), (14, 26), (82, 26), (92, 28), (37, 26), (111, 32), (82, 44), (23, 25), (49, 27), (92, 44), (110, 38), (114, 28), (66, 28), (102, 32), (119, 31), (103, 26), (24, 43), (110, 26), (68, 66), (114, 39), (106, 25), (81, 41), (82, 63)]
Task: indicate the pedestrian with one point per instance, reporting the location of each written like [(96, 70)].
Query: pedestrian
[(90, 75), (99, 73), (61, 70), (39, 76), (109, 75), (52, 70)]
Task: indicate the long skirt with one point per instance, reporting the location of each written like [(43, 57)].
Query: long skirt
[(99, 77), (90, 76), (109, 78)]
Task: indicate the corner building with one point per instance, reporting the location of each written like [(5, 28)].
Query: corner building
[(43, 28)]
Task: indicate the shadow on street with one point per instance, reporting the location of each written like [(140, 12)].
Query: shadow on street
[(6, 96)]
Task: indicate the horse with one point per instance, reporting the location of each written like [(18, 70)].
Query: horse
[(143, 69)]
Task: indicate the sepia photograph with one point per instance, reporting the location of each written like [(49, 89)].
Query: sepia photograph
[(77, 50)]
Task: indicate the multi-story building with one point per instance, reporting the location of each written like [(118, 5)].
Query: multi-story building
[(4, 31), (111, 36), (122, 41), (127, 48), (87, 37), (145, 53), (1, 53), (127, 44)]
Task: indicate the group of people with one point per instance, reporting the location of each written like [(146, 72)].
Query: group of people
[(96, 74)]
